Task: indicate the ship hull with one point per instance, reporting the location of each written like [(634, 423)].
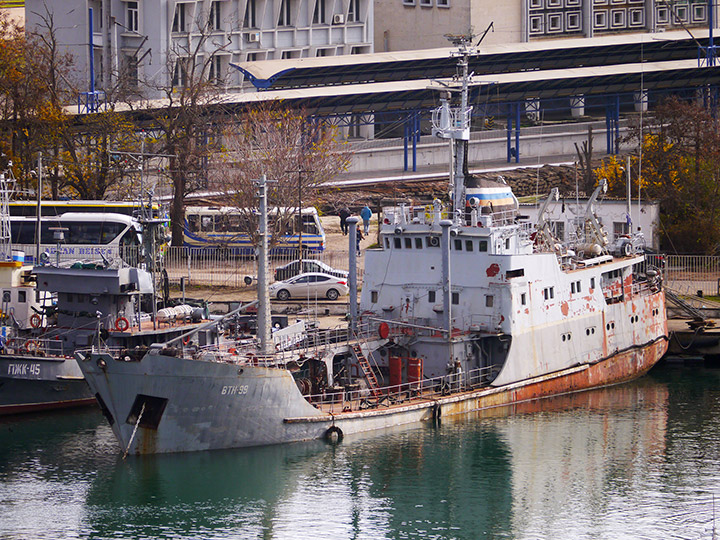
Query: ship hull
[(203, 406), (29, 384)]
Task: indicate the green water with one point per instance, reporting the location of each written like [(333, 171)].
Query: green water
[(635, 461)]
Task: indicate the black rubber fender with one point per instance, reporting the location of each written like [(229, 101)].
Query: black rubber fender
[(334, 434)]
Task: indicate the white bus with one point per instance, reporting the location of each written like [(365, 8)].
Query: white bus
[(86, 236)]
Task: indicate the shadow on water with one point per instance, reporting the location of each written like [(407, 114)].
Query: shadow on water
[(609, 463)]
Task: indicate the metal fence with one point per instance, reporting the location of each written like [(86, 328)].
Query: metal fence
[(219, 268), (692, 273)]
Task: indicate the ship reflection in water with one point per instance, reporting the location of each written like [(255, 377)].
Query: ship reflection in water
[(630, 461)]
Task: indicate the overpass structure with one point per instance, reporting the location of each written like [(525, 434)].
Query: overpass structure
[(513, 85)]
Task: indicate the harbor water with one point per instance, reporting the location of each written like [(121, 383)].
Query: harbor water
[(633, 461)]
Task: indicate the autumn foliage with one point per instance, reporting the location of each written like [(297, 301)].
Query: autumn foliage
[(680, 168)]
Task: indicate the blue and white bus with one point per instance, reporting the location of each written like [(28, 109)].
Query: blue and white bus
[(222, 227)]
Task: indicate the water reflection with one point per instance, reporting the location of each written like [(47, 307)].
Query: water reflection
[(631, 461)]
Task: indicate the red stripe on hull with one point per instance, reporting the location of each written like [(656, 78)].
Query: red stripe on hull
[(36, 407)]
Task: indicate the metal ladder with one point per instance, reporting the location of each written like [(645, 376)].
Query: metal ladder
[(367, 370)]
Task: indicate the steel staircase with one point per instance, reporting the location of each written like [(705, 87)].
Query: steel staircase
[(367, 370)]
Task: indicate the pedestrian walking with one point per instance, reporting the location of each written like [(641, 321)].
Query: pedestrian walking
[(344, 213), (366, 214), (358, 237)]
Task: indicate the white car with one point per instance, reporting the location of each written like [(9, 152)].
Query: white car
[(310, 285)]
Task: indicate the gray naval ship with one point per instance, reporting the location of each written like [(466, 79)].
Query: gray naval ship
[(463, 308), (83, 304)]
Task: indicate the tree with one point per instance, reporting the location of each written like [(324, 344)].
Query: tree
[(186, 123), (681, 169), (299, 154)]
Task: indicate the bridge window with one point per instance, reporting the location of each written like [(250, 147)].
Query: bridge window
[(482, 245), (489, 300), (443, 3), (398, 244), (408, 242), (418, 243), (431, 297), (455, 298), (373, 297), (515, 273), (468, 245), (458, 245)]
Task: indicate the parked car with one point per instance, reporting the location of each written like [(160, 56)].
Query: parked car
[(310, 285), (308, 265)]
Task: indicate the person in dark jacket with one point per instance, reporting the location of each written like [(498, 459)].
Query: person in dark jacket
[(344, 213)]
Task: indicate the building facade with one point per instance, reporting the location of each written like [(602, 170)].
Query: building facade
[(421, 24), (145, 41)]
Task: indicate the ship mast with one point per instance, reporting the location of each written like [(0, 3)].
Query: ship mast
[(7, 187), (453, 123)]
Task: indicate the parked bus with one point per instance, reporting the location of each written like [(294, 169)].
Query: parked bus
[(87, 236), (222, 227), (56, 208)]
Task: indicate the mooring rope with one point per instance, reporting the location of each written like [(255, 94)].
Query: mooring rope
[(127, 450)]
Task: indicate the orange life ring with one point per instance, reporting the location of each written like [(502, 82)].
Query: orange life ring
[(31, 345), (186, 340), (35, 320), (122, 324)]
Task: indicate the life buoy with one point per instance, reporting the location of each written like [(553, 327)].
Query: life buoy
[(35, 320), (31, 345), (627, 249), (122, 324), (186, 340)]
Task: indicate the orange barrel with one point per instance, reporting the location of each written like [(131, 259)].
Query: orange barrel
[(414, 370), (395, 365)]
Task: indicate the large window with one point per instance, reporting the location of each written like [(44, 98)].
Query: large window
[(132, 20), (179, 18), (215, 75), (284, 18), (249, 20), (354, 11), (215, 16), (131, 71), (319, 12), (180, 73)]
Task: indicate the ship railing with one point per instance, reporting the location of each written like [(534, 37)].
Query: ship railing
[(353, 397), (32, 346), (505, 217)]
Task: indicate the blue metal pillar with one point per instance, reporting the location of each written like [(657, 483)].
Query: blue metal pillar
[(411, 134), (513, 113), (406, 136)]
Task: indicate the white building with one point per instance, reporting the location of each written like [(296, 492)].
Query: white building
[(422, 24), (565, 215), (142, 40)]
